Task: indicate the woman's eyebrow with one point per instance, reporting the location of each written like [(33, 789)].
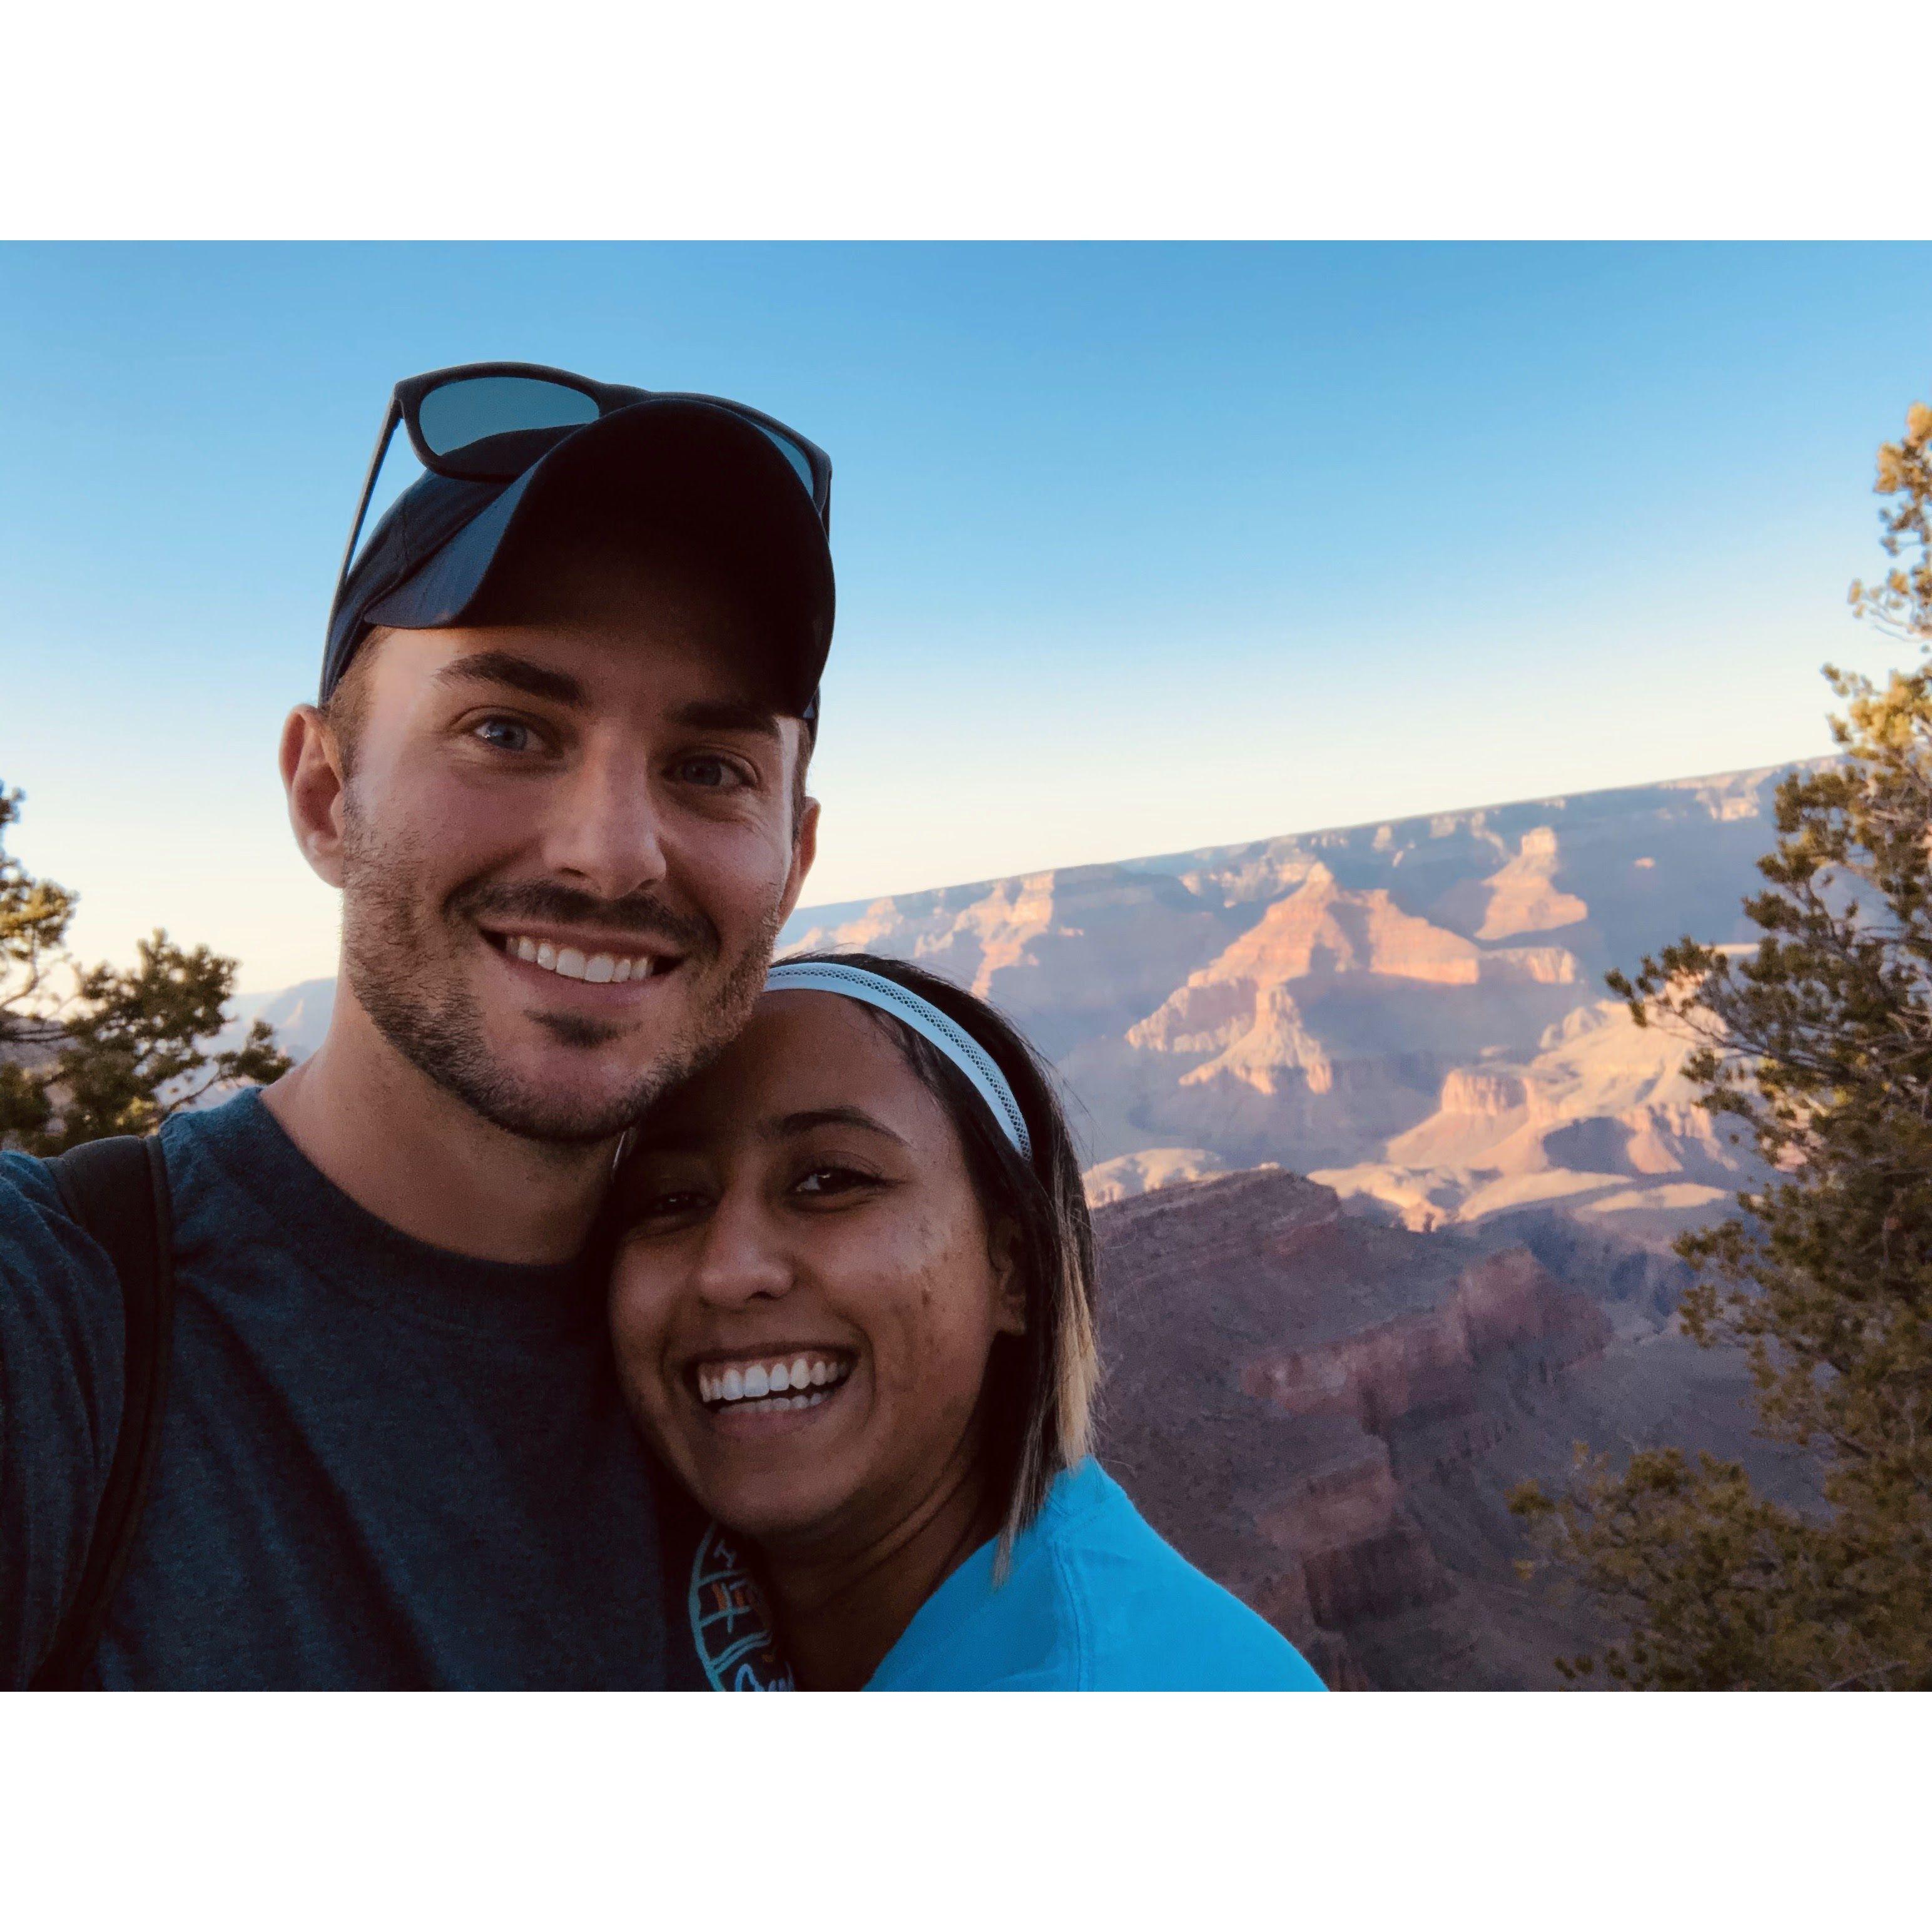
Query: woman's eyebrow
[(831, 1117)]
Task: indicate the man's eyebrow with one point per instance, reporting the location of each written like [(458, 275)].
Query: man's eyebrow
[(728, 714), (534, 680), (787, 1124)]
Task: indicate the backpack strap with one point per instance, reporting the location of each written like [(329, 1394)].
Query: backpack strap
[(117, 1190)]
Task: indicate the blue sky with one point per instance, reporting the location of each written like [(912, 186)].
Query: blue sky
[(1140, 547)]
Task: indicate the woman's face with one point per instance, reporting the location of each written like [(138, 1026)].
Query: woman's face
[(809, 1293)]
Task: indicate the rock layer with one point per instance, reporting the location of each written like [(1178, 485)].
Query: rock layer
[(1326, 1412), (1272, 1367)]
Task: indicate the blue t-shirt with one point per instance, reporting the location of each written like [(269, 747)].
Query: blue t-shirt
[(381, 1464), (1093, 1600)]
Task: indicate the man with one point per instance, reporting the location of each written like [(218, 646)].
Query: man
[(557, 773)]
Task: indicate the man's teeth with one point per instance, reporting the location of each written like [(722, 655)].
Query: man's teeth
[(601, 969), (803, 1381)]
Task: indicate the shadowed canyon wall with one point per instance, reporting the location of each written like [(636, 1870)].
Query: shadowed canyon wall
[(1327, 1411)]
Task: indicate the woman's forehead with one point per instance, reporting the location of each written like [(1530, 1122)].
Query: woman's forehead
[(801, 1052)]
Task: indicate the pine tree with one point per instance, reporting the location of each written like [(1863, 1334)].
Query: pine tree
[(87, 1051), (1819, 1044)]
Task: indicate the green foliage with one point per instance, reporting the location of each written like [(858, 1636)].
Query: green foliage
[(88, 1051), (1902, 604), (1819, 1044)]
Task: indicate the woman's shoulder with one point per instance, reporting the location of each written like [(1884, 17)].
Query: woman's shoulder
[(1149, 1620), (1094, 1600)]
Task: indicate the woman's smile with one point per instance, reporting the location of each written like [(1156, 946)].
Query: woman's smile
[(744, 1394)]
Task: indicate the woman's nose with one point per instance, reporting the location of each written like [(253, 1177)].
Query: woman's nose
[(740, 1262)]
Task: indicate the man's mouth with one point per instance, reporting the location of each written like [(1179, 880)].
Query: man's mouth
[(764, 1384), (597, 968)]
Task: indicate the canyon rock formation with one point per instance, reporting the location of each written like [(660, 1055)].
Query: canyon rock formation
[(1412, 1011), (1326, 1412)]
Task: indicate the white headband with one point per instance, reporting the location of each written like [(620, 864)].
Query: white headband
[(874, 989)]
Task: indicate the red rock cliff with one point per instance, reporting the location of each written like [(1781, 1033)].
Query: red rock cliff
[(1274, 1367)]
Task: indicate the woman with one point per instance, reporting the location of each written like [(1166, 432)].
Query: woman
[(852, 1298)]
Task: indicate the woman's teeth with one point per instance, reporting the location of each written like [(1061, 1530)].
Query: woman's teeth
[(759, 1388), (599, 968)]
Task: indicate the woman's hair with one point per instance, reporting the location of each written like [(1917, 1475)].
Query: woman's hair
[(1040, 1384)]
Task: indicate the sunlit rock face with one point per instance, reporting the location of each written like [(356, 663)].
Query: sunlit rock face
[(1601, 1118), (1520, 896), (1333, 1006), (1071, 954), (1414, 1010), (1128, 1174)]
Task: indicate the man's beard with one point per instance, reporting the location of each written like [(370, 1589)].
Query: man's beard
[(391, 941)]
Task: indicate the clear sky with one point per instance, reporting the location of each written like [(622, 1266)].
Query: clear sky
[(1140, 547)]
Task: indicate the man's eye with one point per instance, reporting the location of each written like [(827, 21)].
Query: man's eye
[(505, 734), (709, 774)]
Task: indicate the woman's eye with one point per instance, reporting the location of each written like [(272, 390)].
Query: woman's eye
[(505, 734), (667, 1203), (824, 1181)]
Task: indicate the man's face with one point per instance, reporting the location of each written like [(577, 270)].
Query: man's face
[(566, 851)]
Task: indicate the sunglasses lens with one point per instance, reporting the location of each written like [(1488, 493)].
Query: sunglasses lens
[(797, 457), (492, 426)]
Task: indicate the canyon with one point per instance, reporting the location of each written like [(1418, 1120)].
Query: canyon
[(1327, 1411), (1412, 1012)]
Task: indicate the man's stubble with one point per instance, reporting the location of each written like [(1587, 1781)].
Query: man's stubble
[(398, 959)]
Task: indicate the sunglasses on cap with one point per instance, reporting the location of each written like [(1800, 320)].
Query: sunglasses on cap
[(488, 422)]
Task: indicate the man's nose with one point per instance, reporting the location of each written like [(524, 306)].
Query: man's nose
[(606, 833), (740, 1262)]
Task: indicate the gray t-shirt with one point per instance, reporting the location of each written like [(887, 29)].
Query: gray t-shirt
[(381, 1464)]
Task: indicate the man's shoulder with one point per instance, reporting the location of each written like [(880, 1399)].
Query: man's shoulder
[(61, 1365), (40, 1240), (59, 1294), (60, 1317), (27, 1188), (42, 1249)]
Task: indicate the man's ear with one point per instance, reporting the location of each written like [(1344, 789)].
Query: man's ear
[(804, 849), (1009, 1310), (312, 775)]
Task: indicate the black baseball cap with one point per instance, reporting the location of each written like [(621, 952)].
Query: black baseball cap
[(724, 487)]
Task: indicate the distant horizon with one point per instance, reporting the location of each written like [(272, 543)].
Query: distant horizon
[(1138, 545), (1221, 847), (817, 910)]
